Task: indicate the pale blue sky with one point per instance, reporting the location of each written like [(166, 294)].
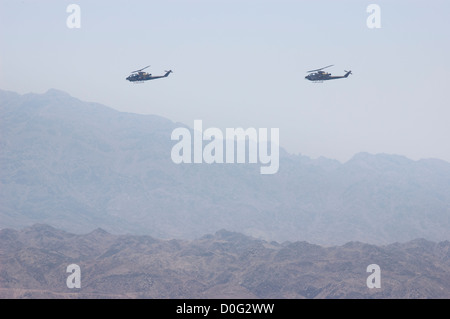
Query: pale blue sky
[(243, 63)]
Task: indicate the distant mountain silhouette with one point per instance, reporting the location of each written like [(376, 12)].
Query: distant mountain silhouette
[(80, 166), (33, 264)]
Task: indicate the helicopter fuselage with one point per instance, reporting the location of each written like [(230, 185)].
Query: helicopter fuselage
[(144, 76), (318, 75), (324, 76)]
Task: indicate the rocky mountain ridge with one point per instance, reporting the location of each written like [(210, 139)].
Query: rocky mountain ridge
[(34, 260), (79, 166)]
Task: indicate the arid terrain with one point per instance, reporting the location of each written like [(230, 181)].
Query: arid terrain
[(34, 260)]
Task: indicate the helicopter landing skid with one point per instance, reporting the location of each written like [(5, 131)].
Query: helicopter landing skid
[(317, 81)]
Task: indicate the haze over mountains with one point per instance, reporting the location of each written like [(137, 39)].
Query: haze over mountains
[(79, 166)]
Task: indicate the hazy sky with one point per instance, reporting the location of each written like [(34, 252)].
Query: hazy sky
[(242, 64)]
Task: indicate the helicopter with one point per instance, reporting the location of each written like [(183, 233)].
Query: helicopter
[(319, 76), (140, 76)]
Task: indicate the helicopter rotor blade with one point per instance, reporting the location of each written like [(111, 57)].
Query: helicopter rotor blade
[(141, 69), (320, 68)]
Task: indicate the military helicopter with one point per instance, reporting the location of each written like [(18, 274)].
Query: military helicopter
[(140, 76), (319, 76)]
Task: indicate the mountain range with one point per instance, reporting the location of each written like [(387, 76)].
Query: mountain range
[(34, 261), (79, 166)]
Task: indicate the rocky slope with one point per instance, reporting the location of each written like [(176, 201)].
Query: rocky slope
[(33, 264)]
